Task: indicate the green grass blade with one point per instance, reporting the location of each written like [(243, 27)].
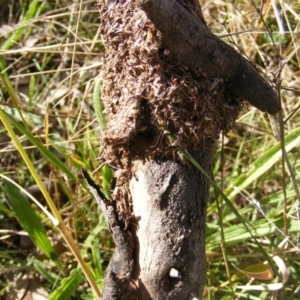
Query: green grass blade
[(57, 217), (229, 204), (98, 106), (33, 10), (263, 164), (93, 234), (107, 176), (29, 220), (9, 88), (44, 151), (97, 261), (68, 286), (52, 276), (238, 234), (107, 173), (92, 243)]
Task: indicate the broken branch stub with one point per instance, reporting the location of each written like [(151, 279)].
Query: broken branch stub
[(200, 49)]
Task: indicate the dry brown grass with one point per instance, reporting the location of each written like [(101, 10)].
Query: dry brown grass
[(52, 64)]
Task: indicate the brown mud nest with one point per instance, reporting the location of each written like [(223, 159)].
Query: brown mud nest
[(147, 93)]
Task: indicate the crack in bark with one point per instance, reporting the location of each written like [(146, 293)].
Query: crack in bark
[(118, 284)]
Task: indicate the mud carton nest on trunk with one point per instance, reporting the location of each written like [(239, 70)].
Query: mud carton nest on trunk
[(150, 90), (146, 91)]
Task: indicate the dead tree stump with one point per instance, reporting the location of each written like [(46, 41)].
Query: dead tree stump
[(165, 75)]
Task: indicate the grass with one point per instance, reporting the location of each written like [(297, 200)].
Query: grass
[(50, 60)]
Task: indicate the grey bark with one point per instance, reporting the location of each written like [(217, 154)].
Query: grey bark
[(166, 257), (119, 272), (169, 200)]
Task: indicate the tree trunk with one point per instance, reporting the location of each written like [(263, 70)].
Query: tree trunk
[(169, 202), (154, 88)]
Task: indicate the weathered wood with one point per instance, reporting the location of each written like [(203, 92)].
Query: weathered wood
[(191, 42), (167, 259), (169, 201), (157, 200), (119, 271)]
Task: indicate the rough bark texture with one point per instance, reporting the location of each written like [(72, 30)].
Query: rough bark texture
[(162, 253), (169, 200), (170, 78), (119, 272)]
